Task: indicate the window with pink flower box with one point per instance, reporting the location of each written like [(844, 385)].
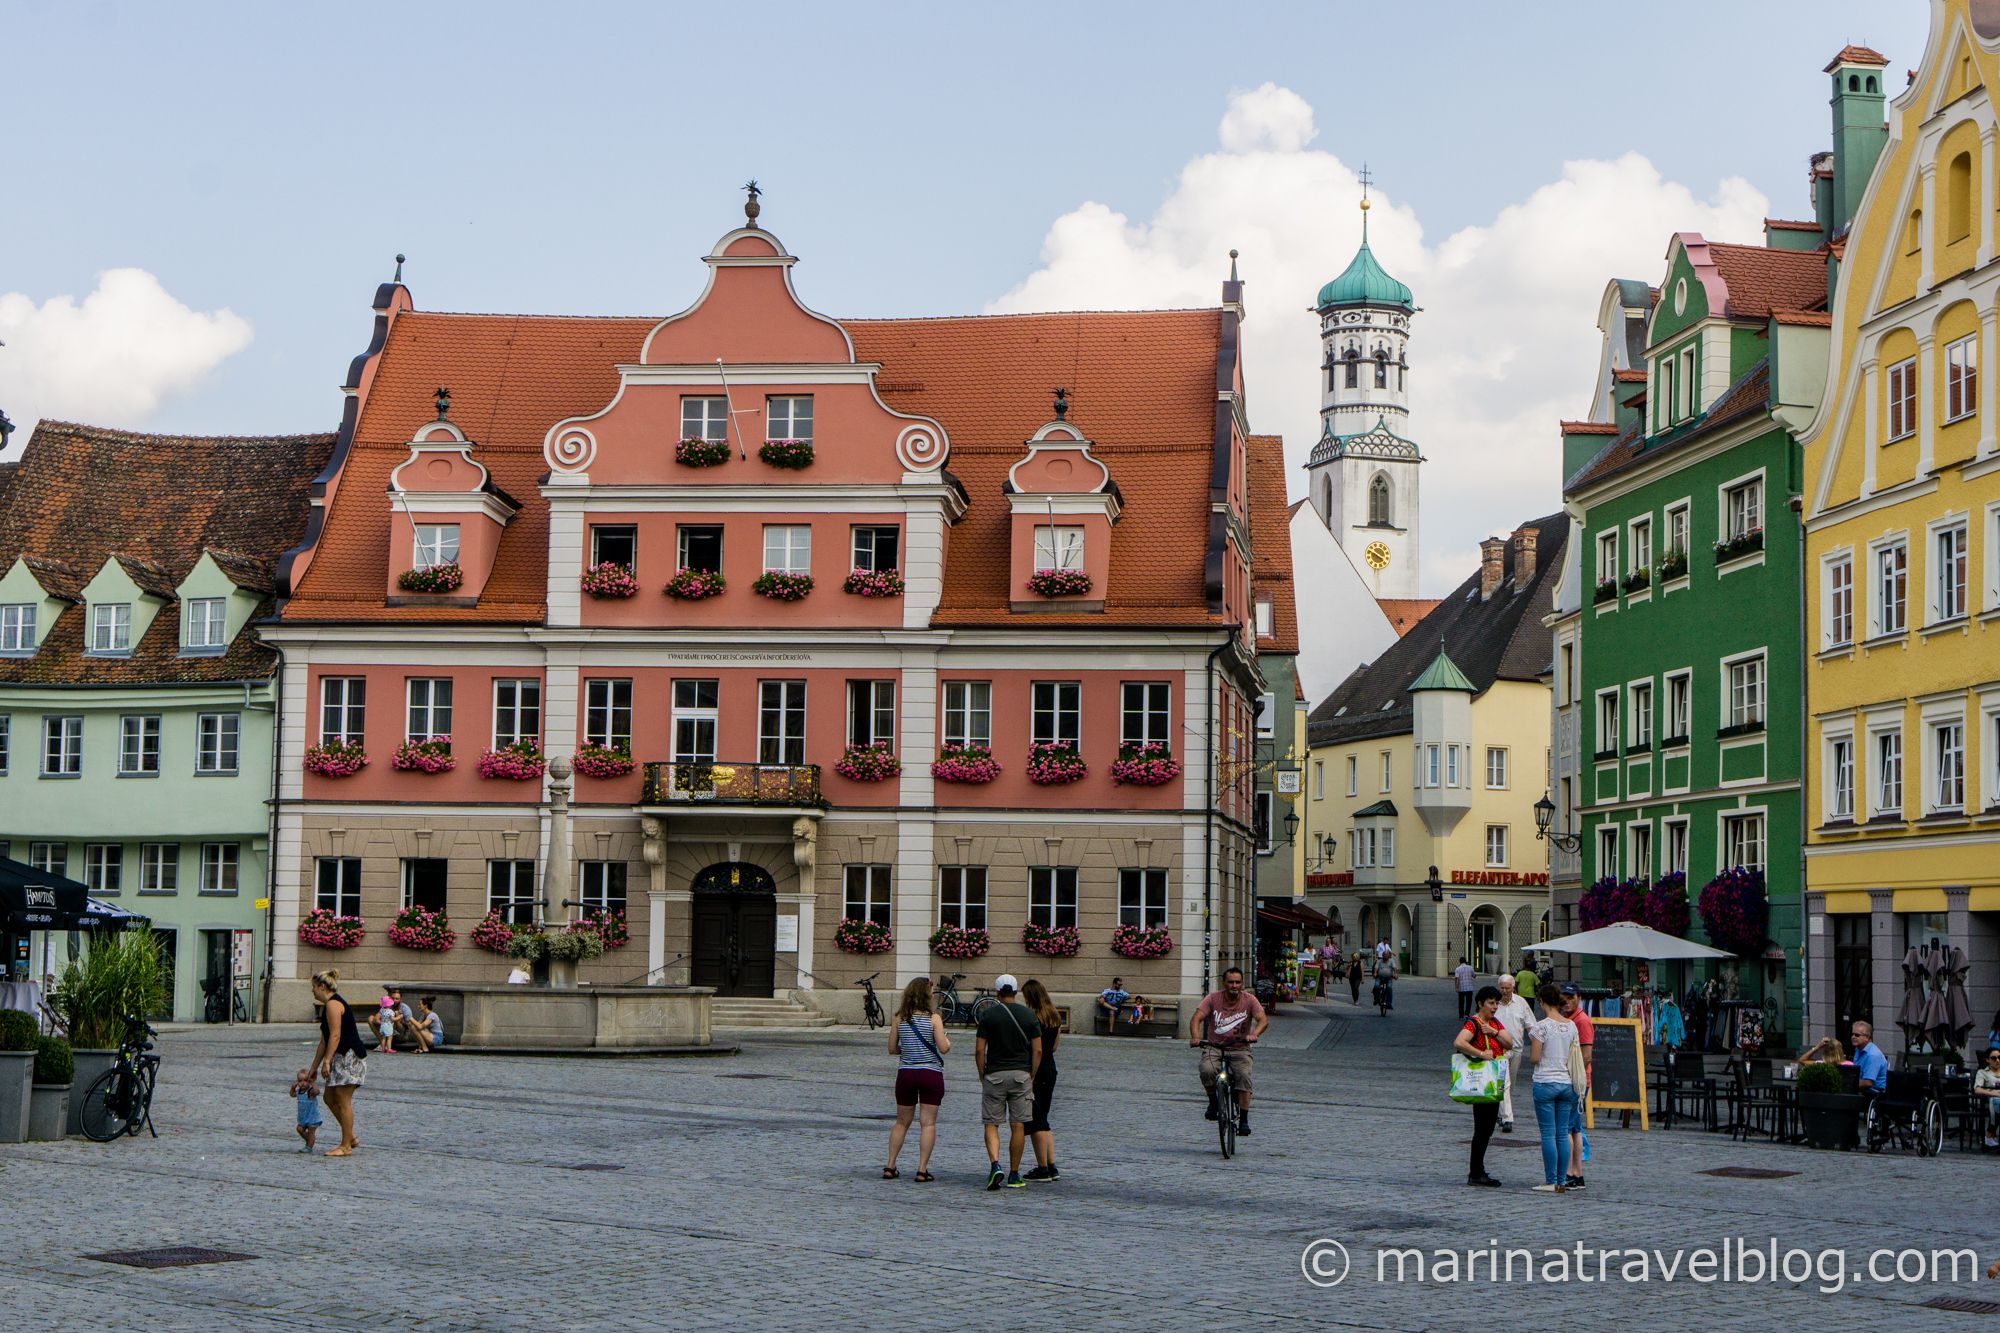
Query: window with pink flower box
[(602, 887), (1142, 898), (1052, 896), (337, 885), (871, 712), (343, 709), (1057, 712), (867, 893), (517, 713), (962, 897), (607, 713), (430, 708), (781, 722), (510, 891), (1147, 715), (424, 880), (877, 548), (614, 544), (968, 712)]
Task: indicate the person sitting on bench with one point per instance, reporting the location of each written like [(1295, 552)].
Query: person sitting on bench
[(1113, 998)]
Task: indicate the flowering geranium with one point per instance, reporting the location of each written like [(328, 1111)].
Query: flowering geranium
[(1051, 941), (601, 761), (869, 763), (609, 580), (1743, 543), (1611, 900), (424, 756), (492, 934), (693, 585), (610, 927), (1735, 912), (1150, 765), (520, 762), (965, 763), (960, 941), (1058, 582), (1141, 942), (432, 578), (782, 587), (1667, 905), (787, 453), (421, 928), (322, 928), (335, 759), (701, 453), (1054, 763), (874, 583), (854, 935)]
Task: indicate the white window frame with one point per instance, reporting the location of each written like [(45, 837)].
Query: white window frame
[(1944, 765), (1900, 381), (1059, 546), (1052, 896), (436, 544), (1740, 707), (1961, 378), (1674, 844), (62, 745), (867, 547), (1142, 897), (511, 889), (218, 744), (110, 628), (103, 868), (1639, 713), (607, 712), (1607, 557), (968, 713), (1679, 721), (17, 629), (1889, 586), (1732, 831), (1689, 381), (1055, 712), (597, 890), (1944, 600), (160, 867), (1497, 844), (221, 869), (1639, 849), (692, 720), (1836, 599), (1888, 768), (1267, 714), (427, 699), (788, 548), (962, 894), (1610, 712), (1267, 619), (1431, 769), (343, 710), (876, 699), (517, 711), (1838, 770), (868, 892), (789, 416), (1386, 847), (1740, 503), (338, 892), (139, 745), (1354, 775), (683, 531), (781, 722), (206, 623), (1497, 775), (1387, 769), (627, 533), (1639, 541), (1150, 704), (704, 417), (1607, 851), (1680, 531)]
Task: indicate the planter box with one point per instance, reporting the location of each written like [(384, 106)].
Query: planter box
[(48, 1112), (1831, 1119), (17, 1068), (89, 1064)]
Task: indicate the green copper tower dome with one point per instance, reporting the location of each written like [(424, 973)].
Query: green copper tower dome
[(1365, 282)]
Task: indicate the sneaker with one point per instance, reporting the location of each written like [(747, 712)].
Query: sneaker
[(994, 1177), (1054, 1174), (1488, 1181), (1014, 1182), (1506, 1127), (1038, 1173), (1243, 1124), (1575, 1182), (1549, 1189)]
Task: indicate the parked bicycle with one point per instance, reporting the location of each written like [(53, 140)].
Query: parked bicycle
[(218, 1002), (870, 1006), (952, 1008), (121, 1098)]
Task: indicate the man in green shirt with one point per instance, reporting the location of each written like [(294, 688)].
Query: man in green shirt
[(1006, 1055), (1527, 981)]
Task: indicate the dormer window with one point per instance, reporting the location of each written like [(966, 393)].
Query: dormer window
[(17, 628), (207, 619), (437, 544), (1058, 548), (789, 418), (705, 418), (111, 627)]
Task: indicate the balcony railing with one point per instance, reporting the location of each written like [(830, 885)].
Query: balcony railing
[(713, 782)]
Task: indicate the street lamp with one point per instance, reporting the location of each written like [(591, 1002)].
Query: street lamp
[(1291, 822), (1545, 813), (1436, 885), (1327, 843)]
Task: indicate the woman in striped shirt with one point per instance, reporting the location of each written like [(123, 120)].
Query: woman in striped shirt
[(919, 1043)]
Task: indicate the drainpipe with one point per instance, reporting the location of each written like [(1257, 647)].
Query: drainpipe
[(1805, 754), (271, 835), (1208, 817)]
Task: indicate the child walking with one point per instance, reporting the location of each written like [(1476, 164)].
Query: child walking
[(386, 1025), (307, 1093)]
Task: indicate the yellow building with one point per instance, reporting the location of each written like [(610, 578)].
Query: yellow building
[(1434, 755), (1902, 530)]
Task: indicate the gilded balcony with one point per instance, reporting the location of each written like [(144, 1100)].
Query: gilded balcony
[(693, 783)]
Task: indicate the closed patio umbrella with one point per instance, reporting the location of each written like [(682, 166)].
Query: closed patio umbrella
[(1937, 1015), (1958, 1009), (1910, 1017)]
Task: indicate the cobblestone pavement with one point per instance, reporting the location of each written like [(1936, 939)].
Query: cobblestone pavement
[(748, 1198)]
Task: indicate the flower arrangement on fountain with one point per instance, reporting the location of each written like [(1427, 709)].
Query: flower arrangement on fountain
[(520, 762), (695, 585), (432, 578), (573, 943), (698, 452), (602, 761), (335, 759), (1148, 765), (492, 934), (874, 583), (1051, 941), (431, 755), (782, 587), (961, 942), (610, 580), (1735, 912), (1611, 900), (323, 929), (1141, 942), (793, 454), (1055, 763), (856, 935), (422, 929), (869, 763), (610, 927), (1058, 583), (1667, 905), (970, 764)]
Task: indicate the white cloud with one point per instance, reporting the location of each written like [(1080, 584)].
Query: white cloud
[(110, 358), (1506, 342)]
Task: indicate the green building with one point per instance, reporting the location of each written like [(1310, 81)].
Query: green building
[(136, 704)]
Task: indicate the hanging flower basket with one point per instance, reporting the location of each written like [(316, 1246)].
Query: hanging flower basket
[(874, 583), (599, 761), (869, 763), (610, 581), (422, 929), (1058, 583), (492, 934), (322, 929), (610, 927), (432, 578), (1735, 913), (854, 935), (694, 585), (970, 764), (792, 454), (333, 759), (960, 941), (1055, 763), (701, 453), (1667, 905), (1051, 941), (520, 762), (1151, 765), (1141, 942), (1611, 900), (431, 756), (783, 587)]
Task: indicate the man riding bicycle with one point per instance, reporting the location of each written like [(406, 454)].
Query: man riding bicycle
[(1231, 1019), (1385, 981)]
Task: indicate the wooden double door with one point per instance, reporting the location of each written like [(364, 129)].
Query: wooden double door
[(735, 930)]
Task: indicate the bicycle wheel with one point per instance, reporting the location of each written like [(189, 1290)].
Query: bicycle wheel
[(876, 1018), (1930, 1129), (1225, 1116), (104, 1115), (980, 1006)]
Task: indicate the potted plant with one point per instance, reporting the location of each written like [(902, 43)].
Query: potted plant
[(432, 755), (874, 583), (1828, 1113), (1141, 942), (602, 761), (697, 452), (1051, 941), (119, 973), (695, 585), (17, 1069), (971, 764), (322, 929), (519, 762), (610, 581), (1666, 907), (1638, 580), (780, 586), (335, 759), (1673, 564), (1058, 583), (855, 935), (55, 1072), (1607, 591), (949, 941), (422, 929), (1734, 911), (1742, 544), (1055, 764), (1150, 765), (793, 454), (561, 950), (869, 763), (432, 579), (492, 934), (1611, 900)]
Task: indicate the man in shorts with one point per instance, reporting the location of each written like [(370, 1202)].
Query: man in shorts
[(1572, 1009), (1006, 1055), (1230, 1018)]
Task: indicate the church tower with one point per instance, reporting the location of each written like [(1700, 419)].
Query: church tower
[(1363, 471)]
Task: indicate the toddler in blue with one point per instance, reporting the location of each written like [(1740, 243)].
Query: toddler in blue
[(307, 1093)]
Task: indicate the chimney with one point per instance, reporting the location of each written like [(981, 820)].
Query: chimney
[(1524, 555), (1492, 565)]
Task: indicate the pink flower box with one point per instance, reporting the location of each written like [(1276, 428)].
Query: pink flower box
[(334, 759), (869, 763), (1142, 942), (1055, 764), (1051, 941), (701, 453), (960, 942), (1058, 583), (1145, 765), (610, 580), (597, 761), (431, 756), (492, 934), (609, 926), (854, 935), (519, 762), (322, 929), (965, 763), (793, 454), (694, 585), (432, 579), (422, 929), (874, 583), (781, 587)]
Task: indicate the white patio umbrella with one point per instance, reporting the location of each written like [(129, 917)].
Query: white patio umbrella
[(1629, 939)]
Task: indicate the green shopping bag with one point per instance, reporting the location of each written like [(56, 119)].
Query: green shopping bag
[(1476, 1080)]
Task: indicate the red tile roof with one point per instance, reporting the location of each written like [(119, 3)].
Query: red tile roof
[(1855, 55), (1629, 375), (1271, 543), (1405, 612), (1820, 319), (1589, 428), (1761, 279), (1790, 224), (1750, 393)]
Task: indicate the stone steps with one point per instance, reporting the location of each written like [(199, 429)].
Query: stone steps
[(759, 1012)]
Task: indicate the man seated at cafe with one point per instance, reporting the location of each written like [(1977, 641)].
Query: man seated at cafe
[(1871, 1067)]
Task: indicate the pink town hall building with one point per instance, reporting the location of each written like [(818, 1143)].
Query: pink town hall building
[(835, 620)]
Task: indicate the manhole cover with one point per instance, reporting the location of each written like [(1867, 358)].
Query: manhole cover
[(594, 1166), (1961, 1305), (172, 1256), (1749, 1173)]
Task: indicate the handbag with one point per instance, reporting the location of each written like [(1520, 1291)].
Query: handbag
[(1579, 1077), (1474, 1081)]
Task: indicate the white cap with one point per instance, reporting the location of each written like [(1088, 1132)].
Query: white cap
[(1005, 982)]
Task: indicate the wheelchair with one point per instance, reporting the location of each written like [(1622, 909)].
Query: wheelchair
[(1906, 1114)]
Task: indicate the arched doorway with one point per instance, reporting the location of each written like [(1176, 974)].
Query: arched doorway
[(734, 945), (1404, 941), (1486, 938)]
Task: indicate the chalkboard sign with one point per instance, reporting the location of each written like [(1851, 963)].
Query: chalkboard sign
[(1617, 1069)]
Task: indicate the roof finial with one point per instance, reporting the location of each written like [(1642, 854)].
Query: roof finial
[(1366, 181), (443, 400), (1232, 266), (1062, 404), (751, 208), (399, 269)]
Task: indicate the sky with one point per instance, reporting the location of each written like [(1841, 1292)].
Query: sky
[(197, 200)]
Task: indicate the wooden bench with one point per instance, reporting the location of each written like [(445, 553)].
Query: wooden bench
[(1163, 1020)]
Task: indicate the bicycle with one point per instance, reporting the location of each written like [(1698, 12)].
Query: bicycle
[(121, 1098), (215, 1009), (1385, 995), (948, 1005), (1223, 1099), (871, 1007)]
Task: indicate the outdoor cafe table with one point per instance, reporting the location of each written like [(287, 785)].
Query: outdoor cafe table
[(23, 995)]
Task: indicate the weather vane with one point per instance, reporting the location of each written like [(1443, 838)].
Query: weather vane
[(750, 206), (443, 400)]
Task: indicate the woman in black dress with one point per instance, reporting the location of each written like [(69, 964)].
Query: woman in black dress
[(1354, 978), (1036, 997), (340, 1059)]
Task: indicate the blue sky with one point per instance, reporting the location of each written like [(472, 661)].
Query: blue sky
[(271, 160)]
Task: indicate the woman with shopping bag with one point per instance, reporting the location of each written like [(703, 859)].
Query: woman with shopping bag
[(1478, 1075)]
